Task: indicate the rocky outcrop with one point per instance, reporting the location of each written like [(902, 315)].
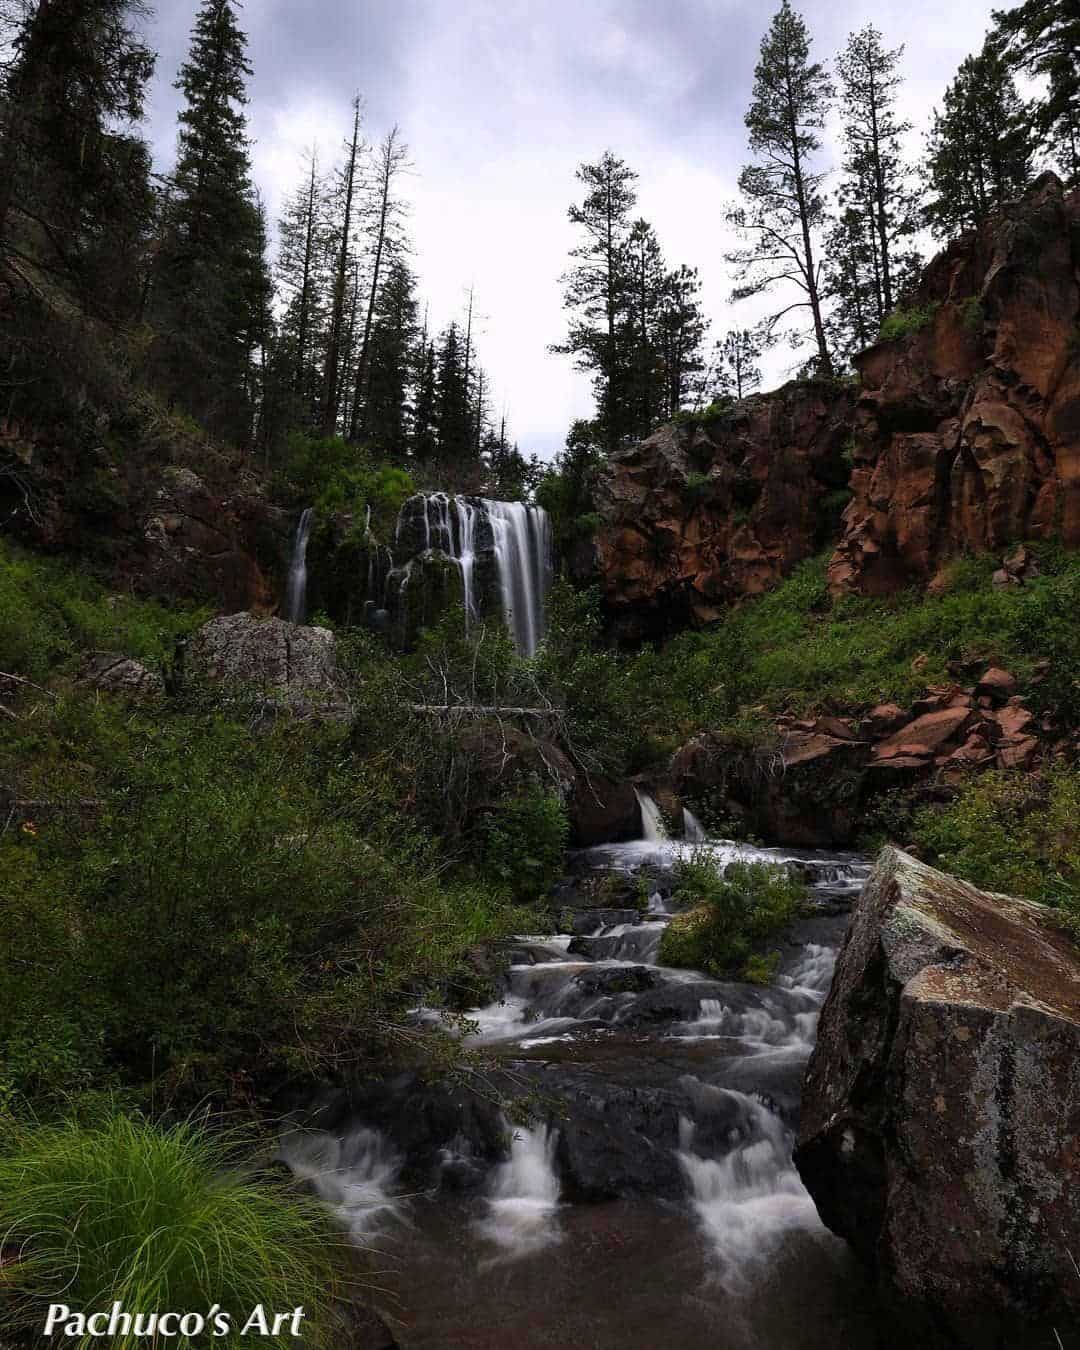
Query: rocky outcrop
[(702, 513), (603, 811), (962, 436), (966, 434), (941, 1110), (134, 508), (292, 666), (813, 780)]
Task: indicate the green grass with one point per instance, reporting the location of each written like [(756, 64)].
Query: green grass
[(798, 650), (159, 1219), (1014, 833), (50, 614)]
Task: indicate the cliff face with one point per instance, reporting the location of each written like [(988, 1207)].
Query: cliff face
[(966, 433), (961, 435), (700, 514)]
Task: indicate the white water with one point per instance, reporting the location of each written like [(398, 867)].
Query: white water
[(524, 1194), (521, 544), (693, 830), (652, 822), (353, 1174), (523, 559), (296, 587)]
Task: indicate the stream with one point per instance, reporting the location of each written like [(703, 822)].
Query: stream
[(653, 1201)]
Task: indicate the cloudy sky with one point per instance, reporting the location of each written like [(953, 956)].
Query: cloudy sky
[(499, 100)]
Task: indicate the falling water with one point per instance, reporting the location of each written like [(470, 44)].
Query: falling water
[(693, 830), (652, 823), (520, 544), (523, 558), (296, 589), (525, 1194)]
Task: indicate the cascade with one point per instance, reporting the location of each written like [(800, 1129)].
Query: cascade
[(652, 823), (693, 830), (296, 588), (520, 544)]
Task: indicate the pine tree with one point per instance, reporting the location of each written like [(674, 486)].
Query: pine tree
[(595, 289), (737, 356), (343, 226), (979, 148), (783, 203), (75, 201), (453, 421), (680, 329), (383, 217), (1042, 38), (646, 280), (878, 210), (302, 275), (425, 444), (854, 282), (385, 421), (212, 286)]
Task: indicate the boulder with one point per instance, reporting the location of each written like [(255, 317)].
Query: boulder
[(118, 674), (941, 1109), (998, 684), (293, 665), (925, 735), (603, 811)]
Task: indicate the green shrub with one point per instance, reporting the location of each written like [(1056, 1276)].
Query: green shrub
[(49, 613), (1012, 833), (157, 1220), (902, 323), (732, 917), (525, 842)]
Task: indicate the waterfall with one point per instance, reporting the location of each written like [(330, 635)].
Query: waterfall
[(693, 830), (525, 1194), (296, 589), (652, 823), (523, 558), (520, 544)]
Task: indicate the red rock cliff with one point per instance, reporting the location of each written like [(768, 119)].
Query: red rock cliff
[(966, 433)]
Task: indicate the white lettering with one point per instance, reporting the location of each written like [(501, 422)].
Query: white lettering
[(58, 1312), (119, 1321), (256, 1322)]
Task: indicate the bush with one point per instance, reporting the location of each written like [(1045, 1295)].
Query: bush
[(902, 323), (48, 613), (1012, 833), (158, 1220), (733, 916), (525, 842)]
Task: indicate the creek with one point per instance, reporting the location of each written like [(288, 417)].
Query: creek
[(652, 1201)]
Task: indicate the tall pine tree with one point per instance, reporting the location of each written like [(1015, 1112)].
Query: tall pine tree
[(595, 289), (870, 249), (783, 206), (212, 285), (979, 147), (1042, 38), (386, 415), (75, 201)]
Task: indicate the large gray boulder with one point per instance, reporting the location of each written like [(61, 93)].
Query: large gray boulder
[(291, 664), (940, 1129)]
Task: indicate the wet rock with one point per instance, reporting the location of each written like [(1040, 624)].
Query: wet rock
[(603, 811), (607, 980), (584, 922), (942, 1108)]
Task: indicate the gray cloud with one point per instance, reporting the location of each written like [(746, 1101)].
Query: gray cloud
[(500, 100)]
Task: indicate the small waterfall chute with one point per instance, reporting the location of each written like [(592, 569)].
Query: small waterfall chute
[(652, 822), (693, 830), (525, 1194), (296, 587), (523, 560)]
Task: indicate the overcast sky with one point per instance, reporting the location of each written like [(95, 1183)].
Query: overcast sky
[(499, 100)]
